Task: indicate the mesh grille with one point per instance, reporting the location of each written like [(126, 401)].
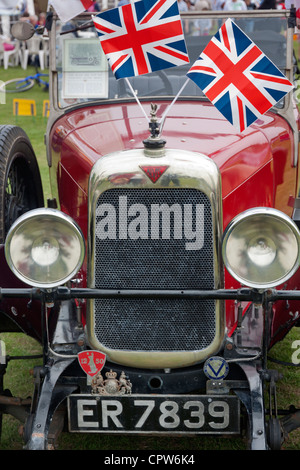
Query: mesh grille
[(150, 263)]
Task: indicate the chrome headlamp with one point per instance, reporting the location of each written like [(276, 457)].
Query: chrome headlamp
[(261, 248), (44, 248)]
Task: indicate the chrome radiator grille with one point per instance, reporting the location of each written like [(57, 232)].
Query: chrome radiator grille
[(154, 252)]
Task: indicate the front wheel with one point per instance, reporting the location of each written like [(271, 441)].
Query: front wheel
[(20, 181), (17, 85)]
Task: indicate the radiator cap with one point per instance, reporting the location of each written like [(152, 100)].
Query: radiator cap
[(154, 143)]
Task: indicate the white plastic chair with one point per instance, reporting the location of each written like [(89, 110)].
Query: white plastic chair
[(12, 57), (44, 54), (33, 49)]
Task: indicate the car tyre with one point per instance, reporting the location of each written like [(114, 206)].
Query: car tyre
[(20, 181)]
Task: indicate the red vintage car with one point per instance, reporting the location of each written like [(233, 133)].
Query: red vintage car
[(165, 266)]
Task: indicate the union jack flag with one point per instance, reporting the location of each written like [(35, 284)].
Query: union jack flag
[(142, 37), (67, 10), (237, 77)]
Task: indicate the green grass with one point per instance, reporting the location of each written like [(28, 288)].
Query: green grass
[(19, 378), (35, 127)]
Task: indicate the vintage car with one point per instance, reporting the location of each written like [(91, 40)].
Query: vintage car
[(165, 265)]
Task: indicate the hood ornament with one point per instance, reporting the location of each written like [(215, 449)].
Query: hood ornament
[(154, 142), (153, 125)]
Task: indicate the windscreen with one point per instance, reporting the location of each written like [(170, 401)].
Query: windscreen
[(85, 75)]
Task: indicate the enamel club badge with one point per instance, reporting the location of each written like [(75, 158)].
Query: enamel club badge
[(91, 361)]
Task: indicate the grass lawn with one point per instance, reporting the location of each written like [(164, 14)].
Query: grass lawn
[(35, 127), (20, 380)]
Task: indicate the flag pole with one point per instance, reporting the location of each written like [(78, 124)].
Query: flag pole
[(162, 121), (137, 100)]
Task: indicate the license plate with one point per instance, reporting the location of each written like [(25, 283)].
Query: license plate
[(195, 414)]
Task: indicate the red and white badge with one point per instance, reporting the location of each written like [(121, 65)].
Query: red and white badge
[(91, 361)]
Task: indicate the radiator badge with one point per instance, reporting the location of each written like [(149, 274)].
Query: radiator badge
[(111, 385), (154, 172), (216, 368), (91, 361)]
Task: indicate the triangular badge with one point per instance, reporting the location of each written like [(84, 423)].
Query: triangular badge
[(154, 172)]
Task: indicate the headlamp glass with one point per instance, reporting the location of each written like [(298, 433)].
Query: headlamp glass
[(44, 248), (261, 248)]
